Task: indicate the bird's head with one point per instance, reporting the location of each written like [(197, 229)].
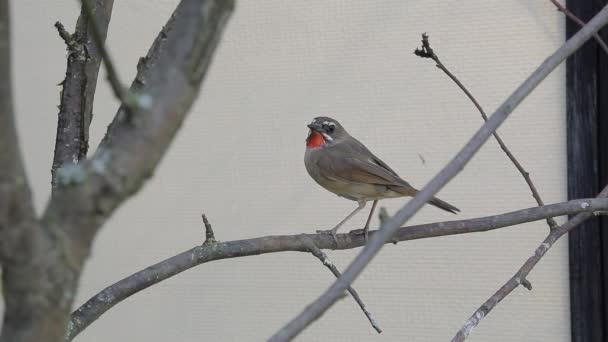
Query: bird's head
[(324, 131)]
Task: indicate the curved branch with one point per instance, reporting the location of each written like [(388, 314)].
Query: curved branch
[(520, 276), (387, 230), (428, 52), (123, 289), (79, 84)]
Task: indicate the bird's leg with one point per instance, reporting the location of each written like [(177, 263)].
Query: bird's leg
[(335, 229), (369, 219)]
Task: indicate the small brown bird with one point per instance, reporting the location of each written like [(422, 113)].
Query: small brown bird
[(344, 166)]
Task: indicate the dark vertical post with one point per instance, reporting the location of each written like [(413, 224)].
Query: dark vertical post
[(586, 84)]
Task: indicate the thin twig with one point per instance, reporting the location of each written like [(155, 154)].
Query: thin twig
[(209, 236), (117, 86), (520, 276), (387, 230), (428, 52), (314, 250), (64, 34), (581, 23), (97, 305)]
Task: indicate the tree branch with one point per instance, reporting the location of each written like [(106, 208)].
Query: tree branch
[(387, 230), (167, 82), (123, 289), (319, 254), (581, 23), (21, 239), (78, 92), (40, 287), (520, 276), (428, 52), (99, 37), (15, 197)]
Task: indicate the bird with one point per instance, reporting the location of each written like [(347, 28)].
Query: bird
[(343, 165)]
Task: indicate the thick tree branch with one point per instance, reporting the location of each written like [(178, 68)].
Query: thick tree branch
[(15, 198), (387, 230), (78, 92), (167, 82), (581, 23), (428, 52), (22, 242), (520, 276), (123, 289)]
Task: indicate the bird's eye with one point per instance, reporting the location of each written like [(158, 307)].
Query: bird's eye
[(330, 128)]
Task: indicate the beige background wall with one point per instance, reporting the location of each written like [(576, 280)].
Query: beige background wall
[(239, 157)]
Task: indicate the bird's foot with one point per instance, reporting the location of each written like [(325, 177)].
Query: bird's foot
[(330, 231), (364, 232)]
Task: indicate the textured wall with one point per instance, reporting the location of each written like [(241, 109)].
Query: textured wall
[(239, 159)]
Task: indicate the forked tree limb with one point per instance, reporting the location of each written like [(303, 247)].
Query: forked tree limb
[(78, 86), (428, 52), (388, 229), (103, 301), (41, 277), (520, 276), (167, 82)]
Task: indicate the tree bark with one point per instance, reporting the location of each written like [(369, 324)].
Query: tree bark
[(78, 92)]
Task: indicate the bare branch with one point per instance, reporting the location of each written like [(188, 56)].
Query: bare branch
[(428, 52), (123, 289), (387, 230), (166, 84), (314, 250), (20, 236), (98, 36), (15, 198), (581, 23), (520, 276), (78, 92)]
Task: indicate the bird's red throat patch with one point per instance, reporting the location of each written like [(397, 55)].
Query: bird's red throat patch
[(315, 139)]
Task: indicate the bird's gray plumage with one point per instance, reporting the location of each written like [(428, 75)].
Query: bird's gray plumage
[(344, 166)]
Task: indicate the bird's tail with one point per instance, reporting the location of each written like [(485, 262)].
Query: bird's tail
[(408, 190), (443, 205)]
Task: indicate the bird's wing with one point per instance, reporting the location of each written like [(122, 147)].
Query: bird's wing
[(356, 145), (354, 170)]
